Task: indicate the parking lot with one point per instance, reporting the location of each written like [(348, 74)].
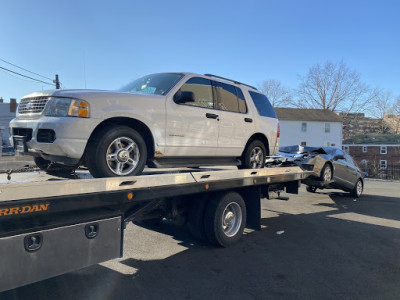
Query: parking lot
[(322, 245)]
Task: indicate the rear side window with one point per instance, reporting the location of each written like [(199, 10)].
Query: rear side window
[(226, 97), (202, 91), (242, 102), (263, 105)]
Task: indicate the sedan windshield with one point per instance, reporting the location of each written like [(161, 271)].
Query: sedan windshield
[(158, 84)]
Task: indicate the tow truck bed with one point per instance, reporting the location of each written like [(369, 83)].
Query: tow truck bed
[(52, 226)]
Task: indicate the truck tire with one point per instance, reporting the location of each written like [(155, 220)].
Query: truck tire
[(358, 189), (116, 151), (225, 218), (195, 223), (254, 156)]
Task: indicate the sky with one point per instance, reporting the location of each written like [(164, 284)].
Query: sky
[(106, 44)]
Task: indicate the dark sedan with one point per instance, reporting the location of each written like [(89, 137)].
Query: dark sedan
[(331, 167)]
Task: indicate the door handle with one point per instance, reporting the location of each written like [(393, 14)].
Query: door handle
[(248, 120), (211, 116)]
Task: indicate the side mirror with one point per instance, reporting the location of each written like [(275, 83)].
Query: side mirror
[(183, 97), (339, 157)]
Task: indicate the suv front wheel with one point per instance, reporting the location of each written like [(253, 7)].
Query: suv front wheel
[(116, 151)]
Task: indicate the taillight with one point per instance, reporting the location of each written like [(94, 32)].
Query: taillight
[(278, 132)]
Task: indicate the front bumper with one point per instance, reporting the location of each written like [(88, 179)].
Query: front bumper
[(71, 136)]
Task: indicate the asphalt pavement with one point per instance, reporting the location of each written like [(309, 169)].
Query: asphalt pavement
[(325, 245)]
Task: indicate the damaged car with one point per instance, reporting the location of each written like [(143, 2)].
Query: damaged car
[(331, 168)]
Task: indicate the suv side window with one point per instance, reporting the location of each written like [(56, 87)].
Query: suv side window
[(201, 88), (263, 105), (226, 98), (242, 102)]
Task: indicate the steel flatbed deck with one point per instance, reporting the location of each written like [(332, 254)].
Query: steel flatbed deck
[(45, 221)]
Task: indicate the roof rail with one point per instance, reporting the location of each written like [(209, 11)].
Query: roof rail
[(234, 81)]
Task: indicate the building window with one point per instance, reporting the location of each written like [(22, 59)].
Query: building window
[(383, 150), (346, 149), (303, 143), (327, 127), (364, 148), (383, 164), (303, 127), (364, 163)]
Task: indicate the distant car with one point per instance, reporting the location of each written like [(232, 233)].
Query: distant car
[(331, 167), (159, 120)]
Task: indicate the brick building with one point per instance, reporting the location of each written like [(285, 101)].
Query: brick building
[(355, 124), (376, 154)]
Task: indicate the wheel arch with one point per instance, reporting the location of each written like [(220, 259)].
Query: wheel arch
[(262, 138), (139, 126)]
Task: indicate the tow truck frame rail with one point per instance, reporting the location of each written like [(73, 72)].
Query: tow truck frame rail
[(49, 228)]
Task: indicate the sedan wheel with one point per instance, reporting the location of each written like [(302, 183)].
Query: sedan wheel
[(326, 174), (358, 189)]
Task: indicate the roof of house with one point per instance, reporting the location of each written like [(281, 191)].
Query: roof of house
[(301, 114), (374, 139)]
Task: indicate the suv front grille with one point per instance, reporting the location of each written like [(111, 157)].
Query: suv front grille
[(32, 105)]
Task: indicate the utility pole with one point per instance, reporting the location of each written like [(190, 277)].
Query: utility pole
[(57, 82)]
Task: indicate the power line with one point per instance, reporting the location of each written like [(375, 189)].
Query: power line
[(25, 69), (26, 76)]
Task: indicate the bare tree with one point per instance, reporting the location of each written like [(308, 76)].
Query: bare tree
[(335, 87), (382, 108), (277, 94)]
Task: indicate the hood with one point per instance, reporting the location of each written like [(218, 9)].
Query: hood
[(91, 95)]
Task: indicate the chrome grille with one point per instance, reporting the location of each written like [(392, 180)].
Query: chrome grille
[(32, 105)]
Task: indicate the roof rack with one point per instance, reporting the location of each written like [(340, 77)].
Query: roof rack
[(234, 81)]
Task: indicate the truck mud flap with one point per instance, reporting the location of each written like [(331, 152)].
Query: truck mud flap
[(34, 256)]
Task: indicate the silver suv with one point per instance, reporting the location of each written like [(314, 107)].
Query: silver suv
[(159, 120)]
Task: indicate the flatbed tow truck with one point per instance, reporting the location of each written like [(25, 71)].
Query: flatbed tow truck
[(51, 226)]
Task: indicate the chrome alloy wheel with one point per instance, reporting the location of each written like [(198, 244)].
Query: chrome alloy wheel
[(359, 188), (122, 156), (256, 158), (327, 173), (231, 219)]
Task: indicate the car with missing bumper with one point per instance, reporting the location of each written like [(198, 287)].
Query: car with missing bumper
[(331, 168), (159, 120)]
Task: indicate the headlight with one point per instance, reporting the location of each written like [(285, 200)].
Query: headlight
[(63, 107)]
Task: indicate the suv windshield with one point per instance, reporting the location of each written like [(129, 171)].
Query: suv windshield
[(158, 84)]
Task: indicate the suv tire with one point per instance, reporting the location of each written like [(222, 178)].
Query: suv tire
[(116, 151), (254, 156)]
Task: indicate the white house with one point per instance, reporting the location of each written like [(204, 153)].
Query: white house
[(309, 127)]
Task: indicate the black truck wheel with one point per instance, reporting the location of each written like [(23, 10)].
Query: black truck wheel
[(225, 218), (254, 156), (116, 151), (195, 223)]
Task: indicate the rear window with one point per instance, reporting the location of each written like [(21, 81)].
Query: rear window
[(263, 105)]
